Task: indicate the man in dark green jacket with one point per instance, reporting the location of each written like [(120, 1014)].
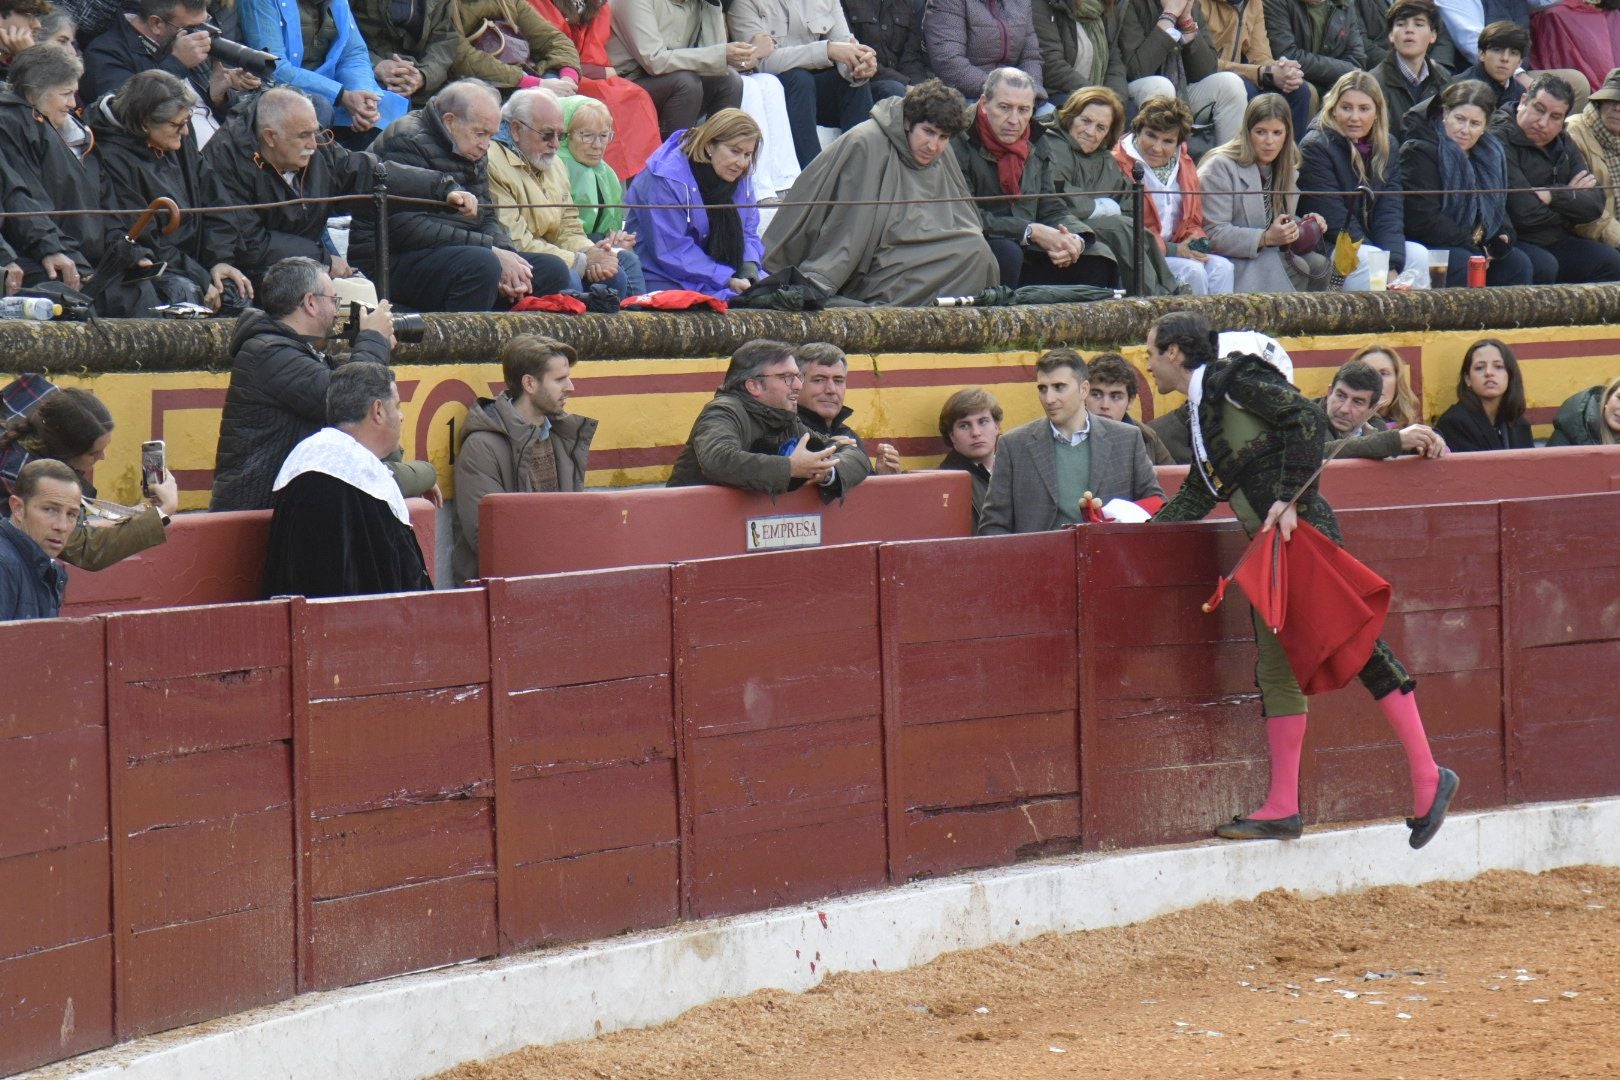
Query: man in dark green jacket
[(412, 44), (750, 435)]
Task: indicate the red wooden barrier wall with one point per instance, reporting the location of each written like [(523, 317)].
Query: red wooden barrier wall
[(200, 731), (1562, 586), (392, 722), (979, 701), (548, 534), (589, 832), (780, 704), (1445, 624), (207, 559), (56, 950)]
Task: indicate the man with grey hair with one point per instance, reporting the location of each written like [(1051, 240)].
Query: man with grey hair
[(531, 185), (440, 261), (750, 436), (272, 151), (1037, 240), (339, 525)]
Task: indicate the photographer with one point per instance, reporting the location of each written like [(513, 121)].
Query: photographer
[(279, 377), (168, 35)]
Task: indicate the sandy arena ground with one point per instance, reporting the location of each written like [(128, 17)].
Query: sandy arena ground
[(1508, 975)]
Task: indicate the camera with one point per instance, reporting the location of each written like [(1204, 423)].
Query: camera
[(235, 54), (408, 329)]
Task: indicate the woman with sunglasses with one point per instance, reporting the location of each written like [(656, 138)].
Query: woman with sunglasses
[(141, 131)]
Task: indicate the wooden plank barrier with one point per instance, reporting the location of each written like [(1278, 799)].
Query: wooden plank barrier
[(1445, 624), (396, 784), (199, 701), (590, 530), (979, 701), (588, 829), (1560, 568), (206, 559), (1169, 742), (780, 703), (56, 949), (1457, 478)]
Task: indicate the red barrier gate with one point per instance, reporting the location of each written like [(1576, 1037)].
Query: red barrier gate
[(584, 721), (56, 952), (202, 812), (979, 701), (1562, 563), (392, 720), (780, 706)]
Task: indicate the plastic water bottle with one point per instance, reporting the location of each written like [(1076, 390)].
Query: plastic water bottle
[(28, 307)]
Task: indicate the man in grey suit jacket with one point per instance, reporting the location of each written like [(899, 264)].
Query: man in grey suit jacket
[(1043, 467)]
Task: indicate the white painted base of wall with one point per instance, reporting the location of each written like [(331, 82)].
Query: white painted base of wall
[(419, 1024)]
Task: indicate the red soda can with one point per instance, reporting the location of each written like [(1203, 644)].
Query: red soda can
[(1476, 271)]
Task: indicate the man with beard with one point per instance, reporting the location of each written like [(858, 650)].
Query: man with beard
[(522, 440), (750, 435)]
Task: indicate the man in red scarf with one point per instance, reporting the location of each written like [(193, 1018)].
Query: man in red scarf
[(1037, 240)]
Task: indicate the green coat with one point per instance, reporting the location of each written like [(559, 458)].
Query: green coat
[(1066, 168), (734, 443), (1580, 420), (434, 52), (1007, 220)]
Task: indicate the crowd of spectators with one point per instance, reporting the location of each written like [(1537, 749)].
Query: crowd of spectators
[(515, 132)]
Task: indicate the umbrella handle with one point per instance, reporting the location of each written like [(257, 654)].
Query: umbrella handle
[(161, 204)]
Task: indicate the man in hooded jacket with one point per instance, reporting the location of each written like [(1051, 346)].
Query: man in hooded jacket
[(890, 254)]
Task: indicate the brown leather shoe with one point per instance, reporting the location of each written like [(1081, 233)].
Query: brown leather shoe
[(1242, 828)]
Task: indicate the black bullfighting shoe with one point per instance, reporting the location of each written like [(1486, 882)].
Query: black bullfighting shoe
[(1243, 828), (1423, 828)]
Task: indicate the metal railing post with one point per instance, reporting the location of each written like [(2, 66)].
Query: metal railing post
[(1138, 235), (379, 198)]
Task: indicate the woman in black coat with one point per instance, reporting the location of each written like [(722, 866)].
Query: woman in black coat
[(1449, 149), (145, 154), (52, 165), (1489, 414)]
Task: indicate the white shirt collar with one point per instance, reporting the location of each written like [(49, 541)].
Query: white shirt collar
[(1073, 440)]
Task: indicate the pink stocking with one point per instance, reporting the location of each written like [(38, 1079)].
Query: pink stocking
[(1286, 735), (1400, 709)]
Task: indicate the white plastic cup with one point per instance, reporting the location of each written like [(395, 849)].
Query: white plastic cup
[(1377, 270)]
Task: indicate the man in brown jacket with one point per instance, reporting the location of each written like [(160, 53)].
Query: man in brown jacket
[(522, 440)]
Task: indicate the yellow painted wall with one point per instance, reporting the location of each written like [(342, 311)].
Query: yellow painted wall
[(894, 396)]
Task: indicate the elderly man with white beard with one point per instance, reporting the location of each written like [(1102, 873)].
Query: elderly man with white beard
[(273, 150), (530, 187)]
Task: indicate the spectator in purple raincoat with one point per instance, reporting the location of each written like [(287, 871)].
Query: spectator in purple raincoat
[(710, 246)]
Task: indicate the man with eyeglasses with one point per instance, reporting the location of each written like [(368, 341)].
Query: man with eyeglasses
[(530, 185), (274, 150), (750, 435), (164, 34), (279, 376)]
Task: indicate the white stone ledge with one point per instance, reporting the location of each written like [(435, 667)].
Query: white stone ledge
[(416, 1025)]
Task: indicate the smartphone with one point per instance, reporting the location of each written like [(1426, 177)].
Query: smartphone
[(153, 464)]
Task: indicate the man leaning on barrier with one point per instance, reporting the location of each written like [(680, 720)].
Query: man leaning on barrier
[(1354, 429), (750, 436), (521, 440), (273, 150)]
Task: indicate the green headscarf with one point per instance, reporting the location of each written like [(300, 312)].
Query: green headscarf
[(591, 184)]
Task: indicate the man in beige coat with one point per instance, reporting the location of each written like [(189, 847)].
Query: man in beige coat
[(531, 191), (1594, 131), (677, 51)]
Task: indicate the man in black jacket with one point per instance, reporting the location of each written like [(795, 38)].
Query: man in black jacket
[(271, 152), (1409, 72), (279, 378), (1169, 52), (1541, 156), (1326, 42), (441, 261), (895, 33)]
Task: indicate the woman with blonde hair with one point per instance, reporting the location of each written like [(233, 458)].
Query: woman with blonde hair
[(1348, 149), (1398, 404), (1589, 418), (711, 243), (1250, 194)]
